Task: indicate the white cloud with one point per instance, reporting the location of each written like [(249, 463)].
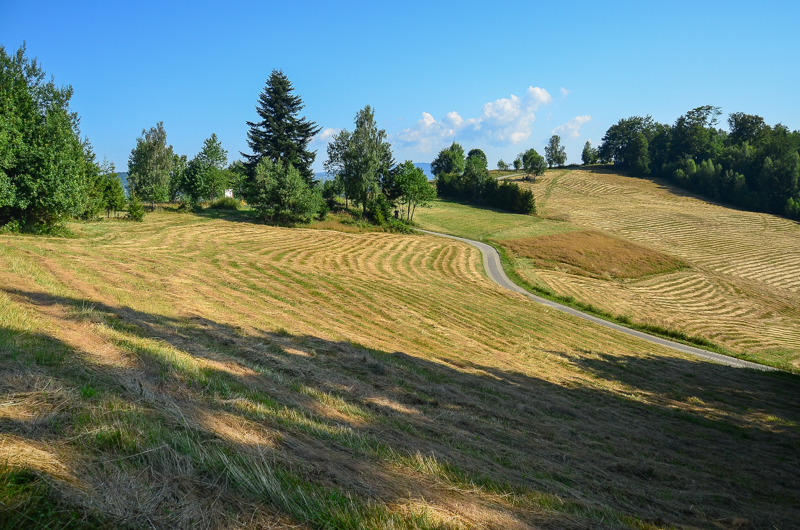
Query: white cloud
[(453, 119), (571, 129), (539, 96), (501, 122), (564, 92), (325, 136)]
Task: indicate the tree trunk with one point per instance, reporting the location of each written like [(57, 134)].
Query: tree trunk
[(412, 214)]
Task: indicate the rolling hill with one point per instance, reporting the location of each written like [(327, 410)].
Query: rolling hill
[(155, 373), (728, 276)]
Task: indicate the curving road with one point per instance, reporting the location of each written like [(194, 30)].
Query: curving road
[(492, 264)]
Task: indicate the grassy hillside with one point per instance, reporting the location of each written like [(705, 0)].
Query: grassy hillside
[(198, 372), (739, 288)]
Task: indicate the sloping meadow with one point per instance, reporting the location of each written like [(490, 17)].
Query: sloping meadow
[(706, 270), (190, 372)]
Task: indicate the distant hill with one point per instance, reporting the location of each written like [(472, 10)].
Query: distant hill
[(426, 167), (123, 176)]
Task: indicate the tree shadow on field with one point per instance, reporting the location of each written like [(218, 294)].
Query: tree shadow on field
[(235, 216), (244, 216), (668, 440)]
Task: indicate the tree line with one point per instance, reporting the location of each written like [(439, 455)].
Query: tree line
[(751, 165), (49, 173), (276, 178), (534, 164), (467, 178)]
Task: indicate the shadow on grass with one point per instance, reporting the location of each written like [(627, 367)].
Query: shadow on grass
[(236, 216), (664, 440)]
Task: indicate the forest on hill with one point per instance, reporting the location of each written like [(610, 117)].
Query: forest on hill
[(752, 165)]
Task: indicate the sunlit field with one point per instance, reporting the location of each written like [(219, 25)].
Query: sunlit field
[(738, 285), (192, 371)]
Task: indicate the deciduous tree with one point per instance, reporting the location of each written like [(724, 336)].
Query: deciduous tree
[(555, 152), (449, 160), (150, 166), (479, 153), (415, 190), (359, 158), (206, 176), (589, 154), (614, 145), (177, 176), (533, 163), (46, 171)]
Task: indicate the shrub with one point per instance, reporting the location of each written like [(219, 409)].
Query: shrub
[(11, 227), (226, 203), (509, 196), (135, 209), (323, 211), (379, 209), (505, 196), (279, 193), (331, 189), (396, 225)]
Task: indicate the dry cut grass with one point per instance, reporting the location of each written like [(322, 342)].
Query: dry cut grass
[(192, 372), (742, 290), (594, 254)]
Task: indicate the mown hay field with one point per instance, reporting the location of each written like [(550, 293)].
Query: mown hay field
[(592, 253), (194, 372), (739, 290)]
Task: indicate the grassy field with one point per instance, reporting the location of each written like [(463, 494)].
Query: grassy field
[(203, 371), (739, 290), (485, 223)]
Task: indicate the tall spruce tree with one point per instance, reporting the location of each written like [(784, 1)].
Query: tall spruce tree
[(281, 135)]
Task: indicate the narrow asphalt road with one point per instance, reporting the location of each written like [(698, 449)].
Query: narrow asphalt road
[(492, 264)]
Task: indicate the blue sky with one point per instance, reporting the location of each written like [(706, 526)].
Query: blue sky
[(499, 76)]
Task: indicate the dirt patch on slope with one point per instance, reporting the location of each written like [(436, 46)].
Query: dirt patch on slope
[(594, 254)]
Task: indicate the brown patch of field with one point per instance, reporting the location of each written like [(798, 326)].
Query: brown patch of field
[(593, 253), (219, 374)]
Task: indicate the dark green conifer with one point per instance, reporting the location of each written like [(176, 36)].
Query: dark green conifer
[(280, 134)]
